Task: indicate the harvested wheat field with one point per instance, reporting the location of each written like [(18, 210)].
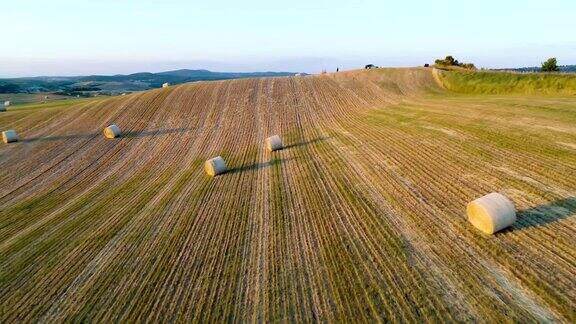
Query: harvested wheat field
[(361, 216)]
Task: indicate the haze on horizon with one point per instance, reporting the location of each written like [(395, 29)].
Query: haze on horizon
[(65, 37)]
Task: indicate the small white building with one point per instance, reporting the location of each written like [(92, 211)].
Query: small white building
[(166, 85), (6, 103)]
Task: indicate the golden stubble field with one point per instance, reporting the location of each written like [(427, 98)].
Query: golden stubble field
[(361, 217)]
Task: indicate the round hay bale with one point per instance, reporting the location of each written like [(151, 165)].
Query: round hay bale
[(491, 213), (274, 143), (215, 166), (112, 131), (9, 136)]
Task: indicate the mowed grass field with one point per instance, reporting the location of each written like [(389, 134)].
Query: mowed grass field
[(30, 98), (360, 218)]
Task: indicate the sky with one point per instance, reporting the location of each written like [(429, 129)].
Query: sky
[(79, 37)]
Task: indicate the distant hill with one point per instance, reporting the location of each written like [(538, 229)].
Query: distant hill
[(563, 68), (115, 84)]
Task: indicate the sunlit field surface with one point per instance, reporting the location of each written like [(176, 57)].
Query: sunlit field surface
[(360, 217)]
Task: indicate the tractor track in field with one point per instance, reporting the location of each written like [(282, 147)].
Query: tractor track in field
[(360, 217)]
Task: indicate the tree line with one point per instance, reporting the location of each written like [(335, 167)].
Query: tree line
[(550, 65)]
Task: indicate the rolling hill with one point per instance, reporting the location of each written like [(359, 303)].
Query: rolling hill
[(360, 218), (115, 84)]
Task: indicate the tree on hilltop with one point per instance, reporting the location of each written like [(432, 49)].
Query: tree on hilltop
[(451, 61), (551, 65)]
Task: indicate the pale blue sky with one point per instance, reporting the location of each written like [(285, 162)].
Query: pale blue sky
[(70, 37)]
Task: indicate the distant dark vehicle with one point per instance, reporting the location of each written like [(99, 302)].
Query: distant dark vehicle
[(426, 65), (370, 66)]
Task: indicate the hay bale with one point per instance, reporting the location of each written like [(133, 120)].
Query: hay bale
[(6, 103), (165, 85), (274, 143), (112, 131), (9, 136), (491, 213), (215, 166)]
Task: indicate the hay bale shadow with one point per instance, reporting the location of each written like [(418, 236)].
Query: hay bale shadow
[(312, 141), (59, 137), (130, 134), (257, 166), (158, 132), (545, 214)]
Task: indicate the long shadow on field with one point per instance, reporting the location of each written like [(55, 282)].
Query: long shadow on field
[(548, 213), (58, 137), (312, 141), (256, 166), (158, 132)]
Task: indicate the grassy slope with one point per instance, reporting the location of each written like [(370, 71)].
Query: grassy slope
[(360, 218), (509, 83)]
